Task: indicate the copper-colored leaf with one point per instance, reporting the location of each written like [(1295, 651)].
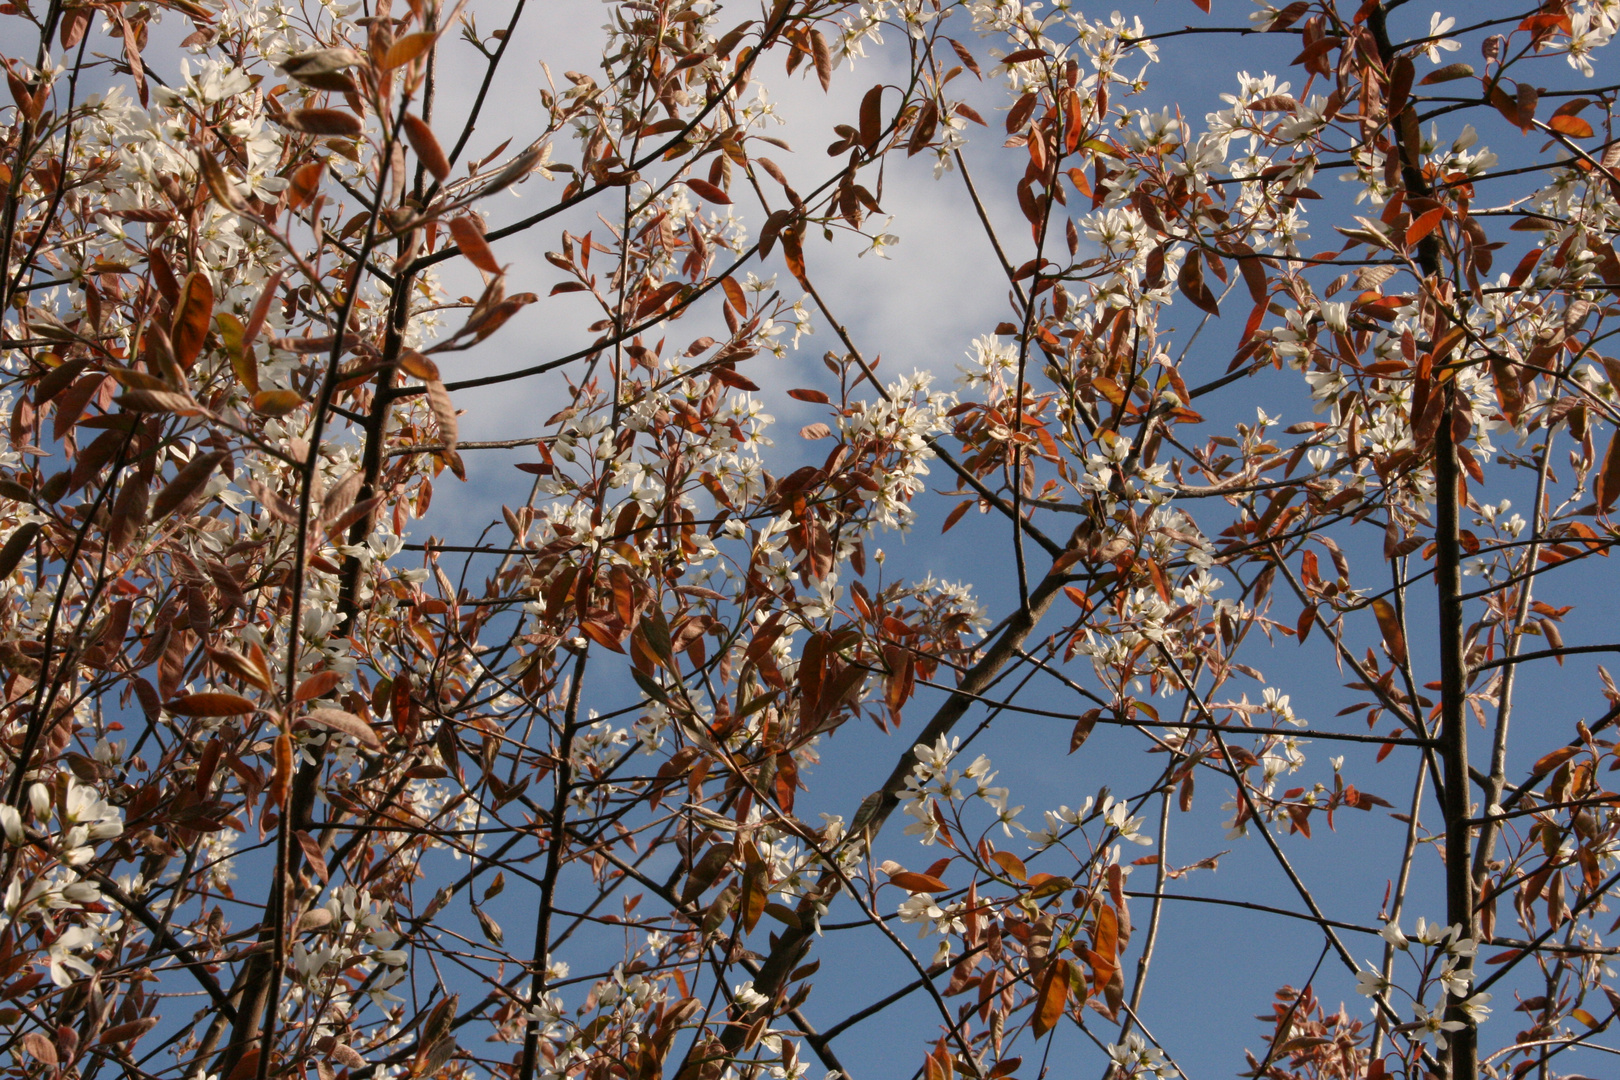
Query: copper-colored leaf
[(822, 56), (16, 546), (121, 1033), (1551, 761), (1446, 74), (427, 148), (211, 703), (219, 182), (1424, 225), (709, 191), (1105, 933), (39, 1047), (281, 771), (1389, 624), (191, 318), (276, 402), (1011, 864), (917, 883), (731, 378), (1083, 727), (233, 336), (326, 122), (469, 237), (304, 183), (186, 483), (261, 309), (241, 666), (1606, 485), (1051, 997), (169, 401), (318, 685), (346, 722), (1193, 287), (753, 900), (787, 780), (407, 48), (1526, 99), (872, 117), (793, 254), (417, 366), (444, 411), (1573, 126)]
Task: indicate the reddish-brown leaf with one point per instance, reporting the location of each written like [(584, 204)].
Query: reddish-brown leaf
[(1193, 286), (16, 546), (427, 148), (275, 402), (917, 883), (469, 237), (1051, 997), (305, 182), (822, 55), (317, 686), (1011, 864), (1551, 761), (1606, 486), (1424, 225), (732, 378), (407, 48), (347, 723), (1082, 728), (1389, 624), (711, 192), (793, 254), (187, 482), (787, 780), (872, 117), (191, 318), (40, 1048), (445, 412), (1573, 126), (120, 1033), (326, 122), (211, 703)]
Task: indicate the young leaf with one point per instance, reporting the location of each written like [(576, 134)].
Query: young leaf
[(917, 883), (1424, 225), (469, 237), (1389, 624), (445, 412), (326, 122), (708, 191), (1606, 485), (1051, 996), (1191, 280), (191, 318), (345, 722), (186, 483), (427, 147), (1573, 126), (16, 546), (213, 703), (407, 48)]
